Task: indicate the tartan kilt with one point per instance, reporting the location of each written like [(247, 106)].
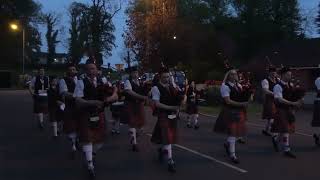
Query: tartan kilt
[(316, 114), (269, 108), (165, 131), (70, 123), (192, 108), (284, 121), (40, 104), (116, 111), (232, 122), (88, 134), (134, 114)]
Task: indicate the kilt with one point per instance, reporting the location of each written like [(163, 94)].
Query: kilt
[(134, 114), (192, 108), (269, 108), (284, 121), (40, 104), (116, 110), (70, 123), (316, 114), (88, 134), (165, 131), (231, 121)]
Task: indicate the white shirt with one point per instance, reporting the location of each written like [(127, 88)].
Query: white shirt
[(155, 93), (317, 83), (78, 91), (225, 90), (265, 84), (277, 90), (63, 86), (127, 84)]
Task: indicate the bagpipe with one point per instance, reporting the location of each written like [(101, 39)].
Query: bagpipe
[(297, 90), (245, 79), (247, 90), (104, 92)]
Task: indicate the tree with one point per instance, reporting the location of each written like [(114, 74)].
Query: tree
[(77, 35), (92, 28), (318, 19), (27, 14), (51, 21)]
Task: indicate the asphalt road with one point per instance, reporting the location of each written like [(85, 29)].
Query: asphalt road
[(26, 153)]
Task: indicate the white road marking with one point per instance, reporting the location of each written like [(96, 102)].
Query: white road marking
[(209, 157)]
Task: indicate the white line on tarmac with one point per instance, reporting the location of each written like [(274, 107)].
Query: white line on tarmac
[(259, 125), (209, 157)]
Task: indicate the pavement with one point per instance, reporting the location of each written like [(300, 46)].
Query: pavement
[(26, 153)]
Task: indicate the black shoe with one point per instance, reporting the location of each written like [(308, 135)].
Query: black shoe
[(241, 141), (226, 147), (316, 139), (275, 144), (55, 138), (160, 155), (92, 173), (135, 148), (196, 127), (117, 132), (171, 166), (289, 154), (235, 160), (266, 133)]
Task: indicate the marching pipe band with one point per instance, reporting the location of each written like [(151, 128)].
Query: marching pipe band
[(80, 104)]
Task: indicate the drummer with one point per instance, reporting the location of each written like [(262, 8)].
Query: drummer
[(38, 90)]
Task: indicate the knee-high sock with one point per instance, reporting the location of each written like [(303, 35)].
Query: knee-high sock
[(195, 119), (73, 138), (40, 117), (116, 124), (133, 136), (232, 146), (88, 150), (96, 147), (269, 125), (168, 150), (55, 128), (285, 142)]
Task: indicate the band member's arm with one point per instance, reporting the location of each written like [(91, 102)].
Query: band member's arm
[(156, 99), (265, 87), (128, 90), (31, 86), (277, 90), (225, 93), (78, 95)]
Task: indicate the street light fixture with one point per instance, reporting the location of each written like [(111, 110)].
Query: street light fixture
[(15, 27)]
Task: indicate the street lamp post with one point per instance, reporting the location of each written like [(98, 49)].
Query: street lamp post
[(15, 27)]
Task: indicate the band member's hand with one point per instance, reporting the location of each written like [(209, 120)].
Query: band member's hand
[(98, 103), (245, 104), (175, 108), (298, 103)]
